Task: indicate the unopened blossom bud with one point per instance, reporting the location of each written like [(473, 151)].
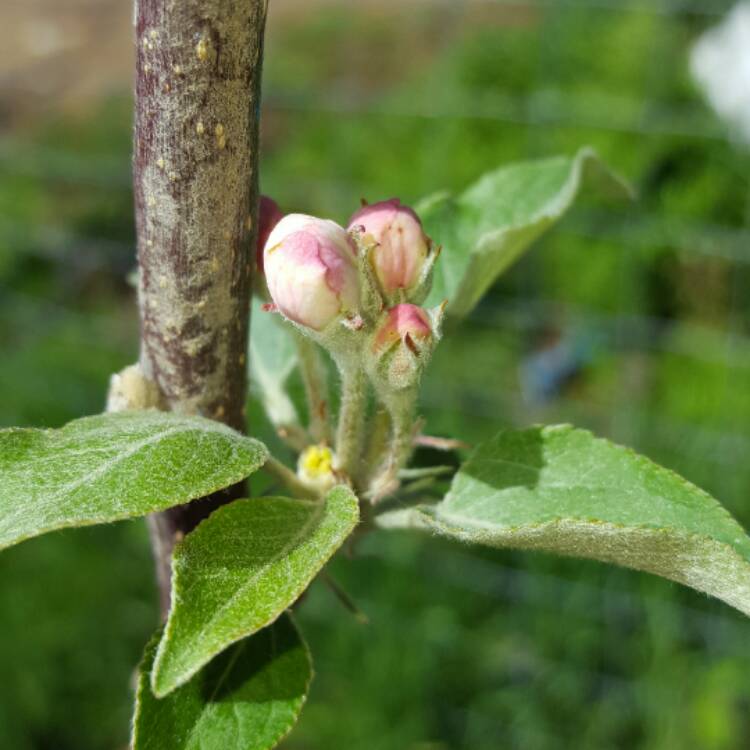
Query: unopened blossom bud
[(311, 270), (401, 347), (401, 247), (269, 215), (403, 323), (315, 466)]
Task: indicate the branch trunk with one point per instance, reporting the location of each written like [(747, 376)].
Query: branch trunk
[(195, 178)]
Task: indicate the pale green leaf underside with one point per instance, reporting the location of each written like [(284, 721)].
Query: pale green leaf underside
[(114, 466), (488, 227), (273, 357), (240, 569), (249, 697), (563, 490)]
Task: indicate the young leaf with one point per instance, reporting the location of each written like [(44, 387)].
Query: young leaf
[(249, 697), (240, 569), (489, 226), (273, 357), (114, 466), (560, 489)]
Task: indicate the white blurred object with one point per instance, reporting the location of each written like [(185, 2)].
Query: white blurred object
[(720, 63)]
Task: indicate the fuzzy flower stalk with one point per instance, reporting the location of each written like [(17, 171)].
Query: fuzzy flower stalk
[(399, 352)]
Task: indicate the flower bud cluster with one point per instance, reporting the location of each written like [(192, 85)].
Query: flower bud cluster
[(356, 292), (366, 279)]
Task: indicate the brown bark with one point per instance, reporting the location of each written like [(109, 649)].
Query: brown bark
[(195, 178)]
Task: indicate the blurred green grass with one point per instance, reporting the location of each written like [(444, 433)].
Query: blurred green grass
[(466, 648)]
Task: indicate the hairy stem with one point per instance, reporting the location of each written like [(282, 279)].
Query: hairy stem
[(350, 431), (402, 410), (195, 182), (289, 479), (377, 442), (402, 437)]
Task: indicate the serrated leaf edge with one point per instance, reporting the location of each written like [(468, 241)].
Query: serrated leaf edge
[(642, 461), (702, 551), (160, 691), (95, 520), (144, 682), (300, 702), (606, 535)]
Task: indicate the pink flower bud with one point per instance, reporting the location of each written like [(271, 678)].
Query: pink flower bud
[(405, 323), (311, 270), (402, 246), (401, 348), (269, 215)]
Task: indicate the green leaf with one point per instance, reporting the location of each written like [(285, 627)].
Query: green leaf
[(273, 357), (489, 226), (240, 569), (114, 466), (560, 489), (249, 697)]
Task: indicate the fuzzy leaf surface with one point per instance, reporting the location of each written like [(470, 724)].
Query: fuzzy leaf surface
[(560, 489), (494, 221), (249, 697), (113, 466), (240, 569)]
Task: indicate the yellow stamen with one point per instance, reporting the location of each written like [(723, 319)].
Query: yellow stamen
[(317, 461)]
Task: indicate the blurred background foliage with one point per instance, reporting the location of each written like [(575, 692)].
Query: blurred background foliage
[(630, 320)]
